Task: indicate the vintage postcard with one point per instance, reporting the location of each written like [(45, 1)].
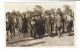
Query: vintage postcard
[(40, 24)]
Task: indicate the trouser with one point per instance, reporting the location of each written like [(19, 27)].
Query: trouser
[(49, 30), (63, 28), (8, 36), (33, 33), (59, 32)]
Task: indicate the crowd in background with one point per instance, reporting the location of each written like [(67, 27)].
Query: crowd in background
[(40, 21)]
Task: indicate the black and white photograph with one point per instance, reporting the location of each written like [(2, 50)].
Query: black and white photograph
[(40, 24)]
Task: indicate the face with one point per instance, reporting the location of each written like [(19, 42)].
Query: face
[(7, 15), (36, 17), (32, 17), (52, 15)]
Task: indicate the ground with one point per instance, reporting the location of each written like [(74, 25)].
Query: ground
[(65, 40)]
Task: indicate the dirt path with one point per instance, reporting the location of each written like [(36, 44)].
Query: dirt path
[(45, 41)]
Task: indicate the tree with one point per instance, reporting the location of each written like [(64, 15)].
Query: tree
[(38, 10), (52, 10), (58, 10), (38, 7), (47, 12), (67, 9), (30, 13)]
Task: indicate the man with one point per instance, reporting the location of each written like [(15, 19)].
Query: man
[(40, 26), (52, 22), (70, 23), (59, 25), (33, 27), (25, 25), (48, 24)]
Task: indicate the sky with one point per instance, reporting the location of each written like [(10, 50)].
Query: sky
[(23, 6)]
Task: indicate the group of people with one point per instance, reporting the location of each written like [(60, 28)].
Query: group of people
[(38, 23)]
